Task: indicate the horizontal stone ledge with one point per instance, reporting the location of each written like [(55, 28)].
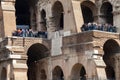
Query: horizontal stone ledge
[(15, 48), (8, 8), (20, 66), (99, 63)]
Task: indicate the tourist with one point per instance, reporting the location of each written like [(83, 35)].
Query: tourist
[(30, 33), (101, 27)]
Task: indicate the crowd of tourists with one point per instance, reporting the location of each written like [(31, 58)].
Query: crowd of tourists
[(29, 33), (85, 27), (101, 27)]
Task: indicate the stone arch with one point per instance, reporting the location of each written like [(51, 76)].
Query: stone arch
[(43, 20), (43, 75), (106, 12), (35, 53), (3, 74), (111, 50), (57, 73), (58, 15), (111, 46), (89, 11), (78, 72)]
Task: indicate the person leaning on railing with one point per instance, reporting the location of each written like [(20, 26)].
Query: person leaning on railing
[(102, 27)]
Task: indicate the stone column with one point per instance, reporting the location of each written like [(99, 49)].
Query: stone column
[(117, 69), (9, 18), (1, 23), (49, 74), (98, 17), (32, 18), (50, 24), (102, 19), (77, 14), (38, 18), (116, 21), (9, 73)]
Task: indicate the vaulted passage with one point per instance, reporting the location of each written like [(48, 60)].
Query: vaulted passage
[(111, 52), (78, 72), (106, 11), (22, 12), (35, 53), (58, 73), (58, 15), (88, 11)]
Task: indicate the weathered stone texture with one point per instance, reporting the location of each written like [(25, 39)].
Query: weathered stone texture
[(67, 52)]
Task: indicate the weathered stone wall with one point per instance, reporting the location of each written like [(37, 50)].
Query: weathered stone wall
[(77, 48), (84, 49), (9, 20)]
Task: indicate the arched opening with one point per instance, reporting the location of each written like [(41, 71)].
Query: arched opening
[(78, 72), (88, 11), (43, 75), (4, 74), (35, 53), (58, 15), (43, 20), (57, 73), (106, 12), (87, 14), (22, 12), (111, 49)]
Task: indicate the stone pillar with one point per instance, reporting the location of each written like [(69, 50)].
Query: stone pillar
[(116, 21), (20, 72), (50, 24), (38, 19), (98, 17), (2, 33), (32, 18), (102, 19), (100, 68), (9, 73), (49, 73), (117, 69), (77, 14), (9, 18)]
